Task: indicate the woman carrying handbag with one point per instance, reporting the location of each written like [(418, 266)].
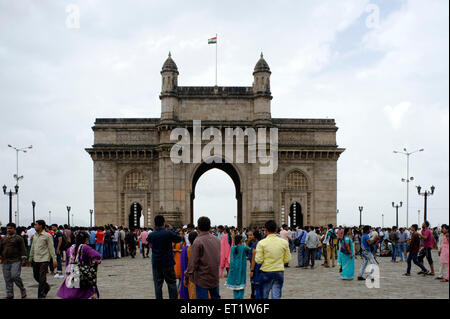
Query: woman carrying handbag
[(81, 271)]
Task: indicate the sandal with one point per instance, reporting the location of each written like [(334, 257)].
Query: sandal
[(444, 280)]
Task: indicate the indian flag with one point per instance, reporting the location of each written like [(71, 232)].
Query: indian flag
[(212, 40)]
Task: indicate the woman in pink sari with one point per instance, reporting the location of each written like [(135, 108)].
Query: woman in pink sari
[(225, 248)]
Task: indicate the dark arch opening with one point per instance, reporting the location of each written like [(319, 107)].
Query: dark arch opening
[(134, 219), (231, 171), (295, 215)]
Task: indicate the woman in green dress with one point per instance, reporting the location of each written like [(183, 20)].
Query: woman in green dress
[(346, 257), (237, 277)]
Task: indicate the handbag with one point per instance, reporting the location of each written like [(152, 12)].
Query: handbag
[(81, 275)]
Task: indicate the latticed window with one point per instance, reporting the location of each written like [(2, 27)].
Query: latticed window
[(136, 181), (297, 180)]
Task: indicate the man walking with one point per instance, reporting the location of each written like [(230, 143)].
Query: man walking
[(413, 250), (428, 242), (42, 251), (204, 262), (12, 255), (272, 253), (162, 257), (366, 253)]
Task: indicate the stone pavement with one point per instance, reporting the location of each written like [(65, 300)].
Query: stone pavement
[(128, 278)]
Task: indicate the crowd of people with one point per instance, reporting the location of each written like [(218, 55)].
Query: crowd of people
[(191, 260)]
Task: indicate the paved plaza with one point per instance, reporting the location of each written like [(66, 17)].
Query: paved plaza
[(128, 278)]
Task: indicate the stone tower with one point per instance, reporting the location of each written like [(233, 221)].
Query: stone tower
[(261, 90), (169, 74)]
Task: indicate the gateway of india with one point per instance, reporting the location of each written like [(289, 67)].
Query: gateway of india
[(135, 178)]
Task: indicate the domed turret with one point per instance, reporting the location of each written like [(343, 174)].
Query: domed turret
[(169, 65), (261, 74), (261, 66), (169, 75)]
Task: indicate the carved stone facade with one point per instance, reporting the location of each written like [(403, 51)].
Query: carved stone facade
[(134, 175)]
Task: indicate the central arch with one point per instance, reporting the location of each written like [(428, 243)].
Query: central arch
[(228, 169)]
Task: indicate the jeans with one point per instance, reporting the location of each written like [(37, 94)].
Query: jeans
[(11, 274), (115, 251), (40, 275), (367, 258), (256, 291), (202, 293), (59, 261), (107, 252), (99, 248), (394, 252), (167, 274), (271, 281), (402, 251), (318, 253), (413, 257), (310, 252), (301, 255)]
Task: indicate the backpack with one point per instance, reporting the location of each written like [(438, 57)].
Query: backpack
[(333, 235), (64, 244)]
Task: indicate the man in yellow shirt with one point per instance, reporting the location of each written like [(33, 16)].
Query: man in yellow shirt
[(272, 253)]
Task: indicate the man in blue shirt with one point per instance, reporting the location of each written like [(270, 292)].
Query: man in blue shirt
[(367, 255), (301, 257), (162, 257)]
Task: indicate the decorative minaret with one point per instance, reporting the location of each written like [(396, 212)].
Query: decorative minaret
[(261, 90), (169, 74)]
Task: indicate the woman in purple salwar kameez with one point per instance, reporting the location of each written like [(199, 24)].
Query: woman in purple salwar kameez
[(87, 257)]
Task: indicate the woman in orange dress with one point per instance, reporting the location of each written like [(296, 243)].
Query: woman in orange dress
[(177, 247)]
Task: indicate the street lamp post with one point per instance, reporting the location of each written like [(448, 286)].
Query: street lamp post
[(49, 217), (418, 217), (382, 220), (33, 203), (425, 194), (396, 212), (360, 215), (10, 194), (408, 178), (68, 216), (16, 176), (90, 212)]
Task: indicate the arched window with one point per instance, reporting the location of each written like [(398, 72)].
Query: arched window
[(136, 181), (296, 181)]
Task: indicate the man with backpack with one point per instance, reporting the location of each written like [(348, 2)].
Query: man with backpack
[(331, 242)]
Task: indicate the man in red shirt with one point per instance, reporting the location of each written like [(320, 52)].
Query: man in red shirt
[(428, 242), (100, 238)]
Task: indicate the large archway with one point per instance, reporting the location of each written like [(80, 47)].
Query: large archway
[(228, 169)]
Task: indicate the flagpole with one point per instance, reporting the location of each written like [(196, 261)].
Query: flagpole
[(216, 58)]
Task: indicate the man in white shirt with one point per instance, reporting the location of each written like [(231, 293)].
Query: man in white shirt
[(312, 242)]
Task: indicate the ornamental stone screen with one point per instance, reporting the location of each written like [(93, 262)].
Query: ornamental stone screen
[(135, 175)]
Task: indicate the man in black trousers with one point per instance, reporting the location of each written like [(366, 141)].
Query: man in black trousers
[(162, 257)]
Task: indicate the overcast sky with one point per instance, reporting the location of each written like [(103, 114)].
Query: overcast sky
[(379, 68)]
